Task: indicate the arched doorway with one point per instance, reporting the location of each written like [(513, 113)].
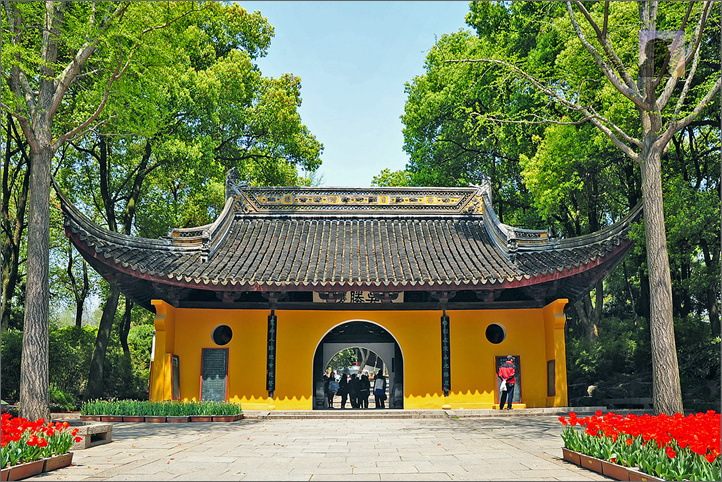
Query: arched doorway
[(367, 335)]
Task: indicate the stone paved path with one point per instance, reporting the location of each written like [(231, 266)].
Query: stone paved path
[(492, 448)]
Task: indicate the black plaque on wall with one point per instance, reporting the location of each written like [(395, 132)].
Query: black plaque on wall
[(175, 377), (214, 374), (445, 355), (271, 354)]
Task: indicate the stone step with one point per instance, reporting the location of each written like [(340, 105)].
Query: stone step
[(394, 413)]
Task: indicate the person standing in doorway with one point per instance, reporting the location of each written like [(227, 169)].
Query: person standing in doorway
[(380, 390), (343, 389), (354, 390), (332, 389), (326, 388), (507, 374), (365, 390)]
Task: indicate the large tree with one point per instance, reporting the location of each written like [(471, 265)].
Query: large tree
[(665, 101), (47, 47), (205, 107)]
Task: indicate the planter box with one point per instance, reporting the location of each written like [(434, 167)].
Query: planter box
[(636, 474), (224, 418), (177, 419), (133, 418), (155, 419), (111, 418), (57, 462), (90, 418), (591, 463), (201, 418), (571, 456), (4, 474), (615, 471), (29, 469)]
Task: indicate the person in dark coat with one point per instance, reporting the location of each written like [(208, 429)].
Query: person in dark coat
[(365, 391), (326, 388), (343, 390), (507, 372), (354, 391)]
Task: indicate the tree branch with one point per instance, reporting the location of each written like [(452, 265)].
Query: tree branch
[(676, 126), (602, 37), (672, 81), (630, 92), (595, 119), (7, 109), (693, 70), (697, 38), (79, 59), (117, 74)]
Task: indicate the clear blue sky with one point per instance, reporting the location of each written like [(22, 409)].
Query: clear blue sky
[(354, 59)]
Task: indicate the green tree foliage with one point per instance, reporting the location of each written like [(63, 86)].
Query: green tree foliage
[(71, 349), (343, 360), (388, 178), (147, 104), (528, 93)]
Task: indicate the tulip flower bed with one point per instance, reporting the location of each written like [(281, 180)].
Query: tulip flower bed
[(28, 441), (672, 448)]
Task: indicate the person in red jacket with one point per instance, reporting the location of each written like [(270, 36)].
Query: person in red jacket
[(507, 372)]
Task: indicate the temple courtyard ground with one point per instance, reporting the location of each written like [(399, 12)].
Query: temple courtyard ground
[(335, 445)]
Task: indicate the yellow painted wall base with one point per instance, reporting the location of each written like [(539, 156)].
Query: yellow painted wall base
[(535, 335)]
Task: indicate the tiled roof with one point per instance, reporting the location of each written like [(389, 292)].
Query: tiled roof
[(332, 239)]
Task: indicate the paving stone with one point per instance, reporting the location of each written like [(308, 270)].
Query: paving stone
[(427, 476), (429, 448), (359, 477)]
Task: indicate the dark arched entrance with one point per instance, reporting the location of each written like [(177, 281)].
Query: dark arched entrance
[(362, 334)]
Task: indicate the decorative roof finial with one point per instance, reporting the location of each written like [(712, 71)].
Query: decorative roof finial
[(233, 183), (484, 185)]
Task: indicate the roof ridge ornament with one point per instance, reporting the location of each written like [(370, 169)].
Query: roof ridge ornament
[(234, 185), (484, 186)]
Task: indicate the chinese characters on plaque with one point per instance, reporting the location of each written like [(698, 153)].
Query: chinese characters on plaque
[(358, 297)]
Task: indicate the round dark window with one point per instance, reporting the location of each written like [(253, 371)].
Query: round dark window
[(495, 333), (222, 334)]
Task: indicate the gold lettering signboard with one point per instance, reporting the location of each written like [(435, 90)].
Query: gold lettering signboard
[(357, 297)]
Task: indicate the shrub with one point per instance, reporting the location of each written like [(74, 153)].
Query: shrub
[(159, 408)]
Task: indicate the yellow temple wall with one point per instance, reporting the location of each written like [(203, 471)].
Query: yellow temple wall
[(535, 335)]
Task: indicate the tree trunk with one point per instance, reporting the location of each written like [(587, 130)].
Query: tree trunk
[(95, 378), (630, 294), (667, 392), (711, 299), (124, 328), (34, 369), (79, 293), (586, 314), (13, 229)]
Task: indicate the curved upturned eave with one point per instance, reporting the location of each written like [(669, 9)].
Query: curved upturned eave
[(97, 244), (182, 281)]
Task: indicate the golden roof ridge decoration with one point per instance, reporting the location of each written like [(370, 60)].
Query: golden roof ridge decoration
[(348, 201)]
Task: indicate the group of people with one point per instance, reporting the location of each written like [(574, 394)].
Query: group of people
[(355, 390)]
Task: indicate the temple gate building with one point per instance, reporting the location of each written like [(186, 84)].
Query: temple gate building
[(253, 306)]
